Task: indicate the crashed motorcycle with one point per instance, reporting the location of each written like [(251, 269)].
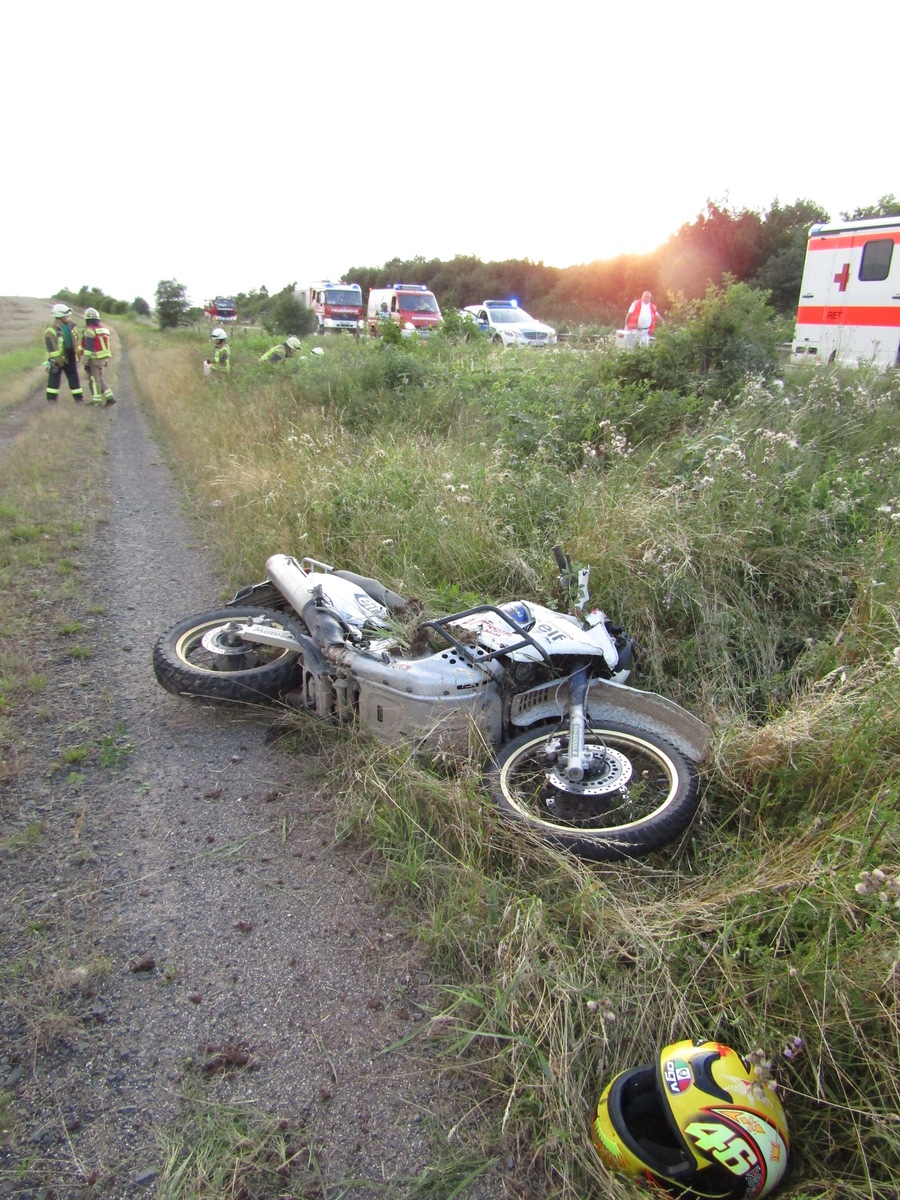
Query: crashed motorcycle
[(576, 755)]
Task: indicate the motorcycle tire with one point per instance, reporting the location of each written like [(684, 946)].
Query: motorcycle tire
[(225, 668), (653, 804)]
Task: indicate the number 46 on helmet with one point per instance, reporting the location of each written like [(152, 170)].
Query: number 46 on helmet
[(697, 1122)]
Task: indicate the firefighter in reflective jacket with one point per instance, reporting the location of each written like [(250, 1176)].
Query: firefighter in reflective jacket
[(63, 353), (96, 355), (282, 351), (221, 359)]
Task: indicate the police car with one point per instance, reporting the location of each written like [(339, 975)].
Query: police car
[(508, 325)]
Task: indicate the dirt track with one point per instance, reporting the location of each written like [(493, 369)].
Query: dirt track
[(201, 871)]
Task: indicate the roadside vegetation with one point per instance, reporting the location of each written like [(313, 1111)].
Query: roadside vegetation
[(742, 520)]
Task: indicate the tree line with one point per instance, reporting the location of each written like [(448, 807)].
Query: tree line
[(94, 297), (764, 250)]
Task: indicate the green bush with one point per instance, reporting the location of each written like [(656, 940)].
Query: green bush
[(288, 316), (711, 345)]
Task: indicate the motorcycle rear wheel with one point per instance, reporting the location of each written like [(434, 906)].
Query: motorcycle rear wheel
[(646, 801), (202, 657)]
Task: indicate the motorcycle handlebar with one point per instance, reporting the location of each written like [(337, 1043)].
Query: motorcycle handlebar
[(562, 560)]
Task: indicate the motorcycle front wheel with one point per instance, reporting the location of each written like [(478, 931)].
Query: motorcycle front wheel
[(637, 795), (205, 656)]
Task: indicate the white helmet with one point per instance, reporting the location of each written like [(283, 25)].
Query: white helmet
[(293, 342), (61, 310), (219, 335), (91, 314), (317, 350)]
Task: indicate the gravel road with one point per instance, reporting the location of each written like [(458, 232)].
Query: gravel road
[(200, 871)]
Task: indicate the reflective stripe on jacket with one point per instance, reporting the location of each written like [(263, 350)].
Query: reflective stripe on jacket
[(55, 341), (95, 342)]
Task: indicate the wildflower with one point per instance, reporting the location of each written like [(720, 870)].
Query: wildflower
[(793, 1048)]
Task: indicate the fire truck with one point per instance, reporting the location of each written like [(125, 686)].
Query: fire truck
[(849, 308), (221, 309), (337, 306)]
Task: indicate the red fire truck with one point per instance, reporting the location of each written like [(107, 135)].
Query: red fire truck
[(221, 309), (337, 306)]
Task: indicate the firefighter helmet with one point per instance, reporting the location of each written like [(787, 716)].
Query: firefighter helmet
[(61, 310), (293, 342), (696, 1121), (91, 314), (219, 335)]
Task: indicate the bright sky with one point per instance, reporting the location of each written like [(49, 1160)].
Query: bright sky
[(234, 145)]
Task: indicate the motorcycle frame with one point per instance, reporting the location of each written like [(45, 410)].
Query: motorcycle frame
[(439, 699)]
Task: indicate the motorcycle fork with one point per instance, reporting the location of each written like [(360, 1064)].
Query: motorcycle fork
[(578, 690)]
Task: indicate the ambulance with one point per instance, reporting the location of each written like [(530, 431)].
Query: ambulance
[(849, 310)]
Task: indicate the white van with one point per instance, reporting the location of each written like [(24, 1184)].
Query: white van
[(849, 308), (409, 305)]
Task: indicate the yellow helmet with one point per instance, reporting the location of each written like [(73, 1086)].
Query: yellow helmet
[(696, 1121)]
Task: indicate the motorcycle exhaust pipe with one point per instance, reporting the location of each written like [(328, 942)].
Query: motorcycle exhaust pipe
[(287, 575)]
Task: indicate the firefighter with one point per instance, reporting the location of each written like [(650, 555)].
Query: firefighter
[(63, 353), (282, 351), (221, 359), (96, 355)]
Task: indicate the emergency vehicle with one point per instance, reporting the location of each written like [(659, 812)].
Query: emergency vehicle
[(849, 308), (409, 305), (508, 325), (337, 306), (223, 308)]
